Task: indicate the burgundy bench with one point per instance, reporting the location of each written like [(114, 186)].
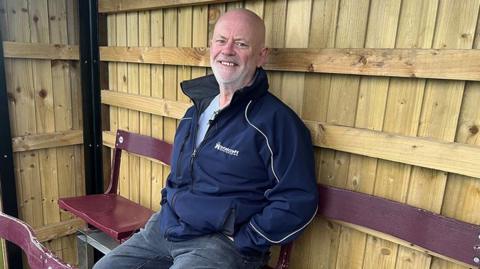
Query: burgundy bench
[(119, 218), (111, 217), (22, 235), (111, 213)]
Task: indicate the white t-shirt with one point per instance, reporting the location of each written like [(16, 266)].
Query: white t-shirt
[(204, 121)]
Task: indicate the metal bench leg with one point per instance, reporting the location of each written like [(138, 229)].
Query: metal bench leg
[(84, 252)]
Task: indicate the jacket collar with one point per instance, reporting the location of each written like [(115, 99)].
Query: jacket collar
[(202, 90)]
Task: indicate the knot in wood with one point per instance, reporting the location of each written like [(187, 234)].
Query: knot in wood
[(473, 129), (363, 60), (42, 93), (311, 68)]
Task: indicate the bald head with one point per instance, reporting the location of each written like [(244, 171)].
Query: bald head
[(247, 20)]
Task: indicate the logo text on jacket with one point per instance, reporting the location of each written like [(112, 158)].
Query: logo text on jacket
[(224, 149)]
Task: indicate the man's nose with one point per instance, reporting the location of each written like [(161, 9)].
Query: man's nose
[(228, 49)]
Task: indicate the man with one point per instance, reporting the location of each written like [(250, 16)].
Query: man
[(242, 175)]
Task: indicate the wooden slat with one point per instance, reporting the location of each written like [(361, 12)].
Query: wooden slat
[(40, 51), (456, 64), (395, 240), (275, 38), (381, 33), (185, 34), (456, 158), (49, 140), (109, 138), (421, 63), (445, 156), (59, 230), (157, 55), (402, 114), (156, 106), (133, 116), (145, 82), (298, 19), (159, 173), (44, 113), (122, 86), (110, 6), (200, 38)]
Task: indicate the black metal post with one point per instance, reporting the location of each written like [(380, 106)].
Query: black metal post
[(89, 61), (8, 191)]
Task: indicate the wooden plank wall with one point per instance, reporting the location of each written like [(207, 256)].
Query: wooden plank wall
[(363, 126), (443, 110), (45, 101)]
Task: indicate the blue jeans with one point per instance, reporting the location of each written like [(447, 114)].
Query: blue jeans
[(149, 249)]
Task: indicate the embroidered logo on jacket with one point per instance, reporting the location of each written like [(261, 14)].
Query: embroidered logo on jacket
[(224, 149)]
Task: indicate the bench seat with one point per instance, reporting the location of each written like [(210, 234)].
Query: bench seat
[(115, 215)]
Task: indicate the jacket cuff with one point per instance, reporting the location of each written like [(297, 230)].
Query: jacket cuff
[(249, 243)]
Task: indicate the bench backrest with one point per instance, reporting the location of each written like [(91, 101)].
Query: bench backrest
[(142, 145), (21, 234), (445, 236)]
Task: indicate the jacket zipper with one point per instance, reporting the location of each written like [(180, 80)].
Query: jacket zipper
[(197, 149)]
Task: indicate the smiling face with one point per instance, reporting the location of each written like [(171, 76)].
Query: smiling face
[(237, 48)]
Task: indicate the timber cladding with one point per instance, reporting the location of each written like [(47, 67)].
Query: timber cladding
[(45, 115), (395, 131), (388, 88)]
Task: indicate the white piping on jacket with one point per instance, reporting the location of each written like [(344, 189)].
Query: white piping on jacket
[(266, 138), (290, 234), (276, 177)]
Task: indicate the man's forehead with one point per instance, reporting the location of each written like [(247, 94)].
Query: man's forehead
[(234, 35), (239, 30)]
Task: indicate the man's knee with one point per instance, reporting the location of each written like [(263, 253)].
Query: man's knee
[(104, 263)]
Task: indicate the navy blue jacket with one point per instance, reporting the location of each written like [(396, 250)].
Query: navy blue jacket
[(252, 176)]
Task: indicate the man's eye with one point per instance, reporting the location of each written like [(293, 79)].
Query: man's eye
[(241, 45), (220, 41)]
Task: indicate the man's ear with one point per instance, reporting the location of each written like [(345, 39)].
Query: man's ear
[(262, 59)]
